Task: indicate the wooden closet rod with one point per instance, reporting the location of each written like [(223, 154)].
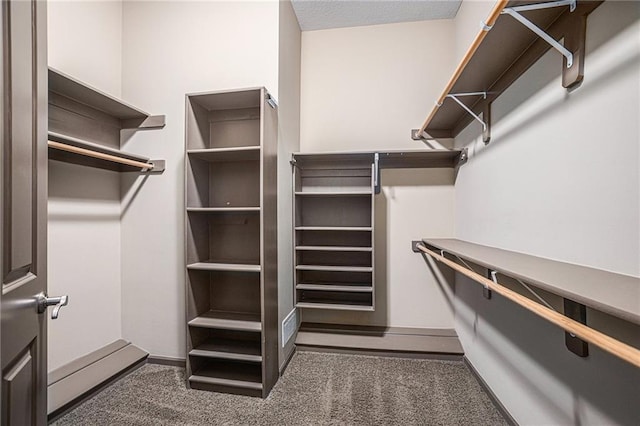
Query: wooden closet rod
[(100, 155), (491, 19), (588, 334)]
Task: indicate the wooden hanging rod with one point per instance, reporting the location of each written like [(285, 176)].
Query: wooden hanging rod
[(491, 19), (588, 334), (99, 155)]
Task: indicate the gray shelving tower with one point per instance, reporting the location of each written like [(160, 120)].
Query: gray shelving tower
[(333, 232), (231, 241)]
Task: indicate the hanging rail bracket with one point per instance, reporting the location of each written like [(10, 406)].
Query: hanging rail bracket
[(158, 167), (486, 113), (376, 173), (576, 311)]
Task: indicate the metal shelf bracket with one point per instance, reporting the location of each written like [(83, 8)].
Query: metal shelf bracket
[(515, 13), (376, 172), (455, 96)]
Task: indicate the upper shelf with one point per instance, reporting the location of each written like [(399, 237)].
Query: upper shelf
[(85, 126), (398, 159), (609, 292), (71, 88), (500, 53)]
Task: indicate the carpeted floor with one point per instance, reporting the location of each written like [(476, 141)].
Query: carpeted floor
[(316, 389)]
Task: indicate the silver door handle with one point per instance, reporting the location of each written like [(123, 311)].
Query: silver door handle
[(58, 302)]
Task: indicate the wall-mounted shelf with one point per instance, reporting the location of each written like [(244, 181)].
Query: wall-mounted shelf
[(612, 293), (85, 126), (579, 286), (502, 51)]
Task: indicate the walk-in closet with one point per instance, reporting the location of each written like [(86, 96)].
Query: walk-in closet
[(295, 212)]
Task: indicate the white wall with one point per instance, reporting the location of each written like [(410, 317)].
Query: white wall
[(560, 179), (84, 203), (173, 48), (289, 51), (365, 88)]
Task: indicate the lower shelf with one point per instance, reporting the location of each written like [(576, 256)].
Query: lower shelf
[(339, 307), (346, 287), (228, 321), (229, 349), (348, 301), (226, 373)]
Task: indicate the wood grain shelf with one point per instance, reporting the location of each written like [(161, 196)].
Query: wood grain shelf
[(609, 292), (228, 321)]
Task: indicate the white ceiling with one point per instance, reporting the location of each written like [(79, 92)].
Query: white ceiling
[(325, 14)]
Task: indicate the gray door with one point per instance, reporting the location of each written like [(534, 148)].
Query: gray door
[(23, 213)]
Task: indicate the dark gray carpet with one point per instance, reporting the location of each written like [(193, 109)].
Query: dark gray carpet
[(316, 389)]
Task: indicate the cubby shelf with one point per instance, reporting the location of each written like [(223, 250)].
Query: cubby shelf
[(234, 267), (226, 373), (222, 209), (333, 193), (334, 228), (228, 349), (336, 306), (228, 321), (367, 288), (242, 153), (334, 268), (333, 248)]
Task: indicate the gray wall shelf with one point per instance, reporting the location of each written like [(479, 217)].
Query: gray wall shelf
[(605, 291), (83, 117)]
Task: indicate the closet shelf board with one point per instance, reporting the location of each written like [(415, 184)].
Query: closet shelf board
[(231, 267), (334, 193), (234, 349), (336, 287), (334, 268), (222, 209), (387, 159), (339, 307), (333, 228), (71, 88), (609, 292), (225, 355), (228, 321), (242, 153), (506, 52), (333, 248), (204, 378)]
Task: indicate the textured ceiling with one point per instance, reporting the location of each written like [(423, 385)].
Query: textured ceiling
[(325, 14)]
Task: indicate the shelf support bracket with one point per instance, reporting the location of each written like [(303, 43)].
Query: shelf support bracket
[(576, 311), (376, 172), (455, 96), (515, 13)]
